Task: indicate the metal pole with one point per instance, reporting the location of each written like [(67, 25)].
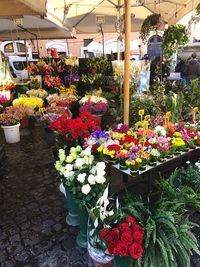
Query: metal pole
[(102, 33), (127, 60), (26, 57)]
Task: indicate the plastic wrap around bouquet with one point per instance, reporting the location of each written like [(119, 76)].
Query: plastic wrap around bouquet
[(94, 104)]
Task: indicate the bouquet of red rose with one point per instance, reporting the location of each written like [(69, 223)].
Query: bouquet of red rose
[(72, 132), (124, 239)]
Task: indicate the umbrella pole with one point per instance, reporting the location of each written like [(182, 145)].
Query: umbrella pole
[(127, 60)]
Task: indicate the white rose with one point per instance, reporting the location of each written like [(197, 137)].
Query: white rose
[(72, 150), (87, 151), (91, 179), (78, 149), (68, 174), (100, 168), (86, 189), (81, 177), (79, 162), (69, 159), (89, 159), (68, 167), (100, 179), (61, 155)]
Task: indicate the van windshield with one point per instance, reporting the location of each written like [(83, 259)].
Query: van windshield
[(20, 65)]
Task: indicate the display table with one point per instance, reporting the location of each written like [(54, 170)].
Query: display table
[(143, 183)]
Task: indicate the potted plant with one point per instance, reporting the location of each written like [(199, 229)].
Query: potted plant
[(10, 125), (174, 37), (151, 23), (23, 113), (121, 157)]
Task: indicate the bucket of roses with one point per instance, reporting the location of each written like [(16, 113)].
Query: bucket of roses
[(119, 235), (86, 179)]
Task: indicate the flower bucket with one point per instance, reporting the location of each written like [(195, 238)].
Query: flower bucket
[(123, 261), (12, 133), (82, 236), (24, 123), (72, 217)]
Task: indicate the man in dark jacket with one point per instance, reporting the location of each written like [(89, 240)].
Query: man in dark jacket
[(192, 68)]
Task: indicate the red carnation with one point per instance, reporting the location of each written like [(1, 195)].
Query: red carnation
[(135, 251)]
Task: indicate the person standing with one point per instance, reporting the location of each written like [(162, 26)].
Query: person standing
[(192, 68)]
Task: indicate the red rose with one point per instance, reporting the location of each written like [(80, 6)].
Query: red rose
[(130, 219), (127, 237), (135, 251), (104, 232), (111, 249), (124, 227), (122, 249), (137, 228), (138, 236), (112, 237)]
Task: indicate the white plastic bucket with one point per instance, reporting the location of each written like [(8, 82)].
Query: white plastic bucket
[(12, 133)]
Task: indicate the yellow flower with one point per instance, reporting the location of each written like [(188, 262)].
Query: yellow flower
[(177, 134), (178, 142)]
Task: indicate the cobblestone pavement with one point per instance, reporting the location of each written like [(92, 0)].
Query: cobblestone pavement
[(33, 231)]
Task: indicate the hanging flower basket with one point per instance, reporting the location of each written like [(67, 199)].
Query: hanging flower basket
[(151, 23)]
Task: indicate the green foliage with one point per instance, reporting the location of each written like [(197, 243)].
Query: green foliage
[(192, 94), (151, 23), (168, 240), (173, 38), (174, 103), (183, 186), (142, 102)]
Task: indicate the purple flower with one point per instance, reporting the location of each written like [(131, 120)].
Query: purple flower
[(71, 78), (100, 134)]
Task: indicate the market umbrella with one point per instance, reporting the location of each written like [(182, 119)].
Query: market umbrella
[(85, 16), (28, 19)]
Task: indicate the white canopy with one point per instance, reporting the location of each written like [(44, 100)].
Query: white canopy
[(81, 15)]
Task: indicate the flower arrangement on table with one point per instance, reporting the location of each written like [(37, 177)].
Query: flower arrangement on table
[(52, 82), (41, 93), (73, 132), (34, 102), (71, 90), (51, 113), (94, 104), (63, 100)]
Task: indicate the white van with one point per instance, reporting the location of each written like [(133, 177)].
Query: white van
[(16, 53)]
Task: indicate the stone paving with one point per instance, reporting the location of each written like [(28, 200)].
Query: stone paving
[(33, 231)]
